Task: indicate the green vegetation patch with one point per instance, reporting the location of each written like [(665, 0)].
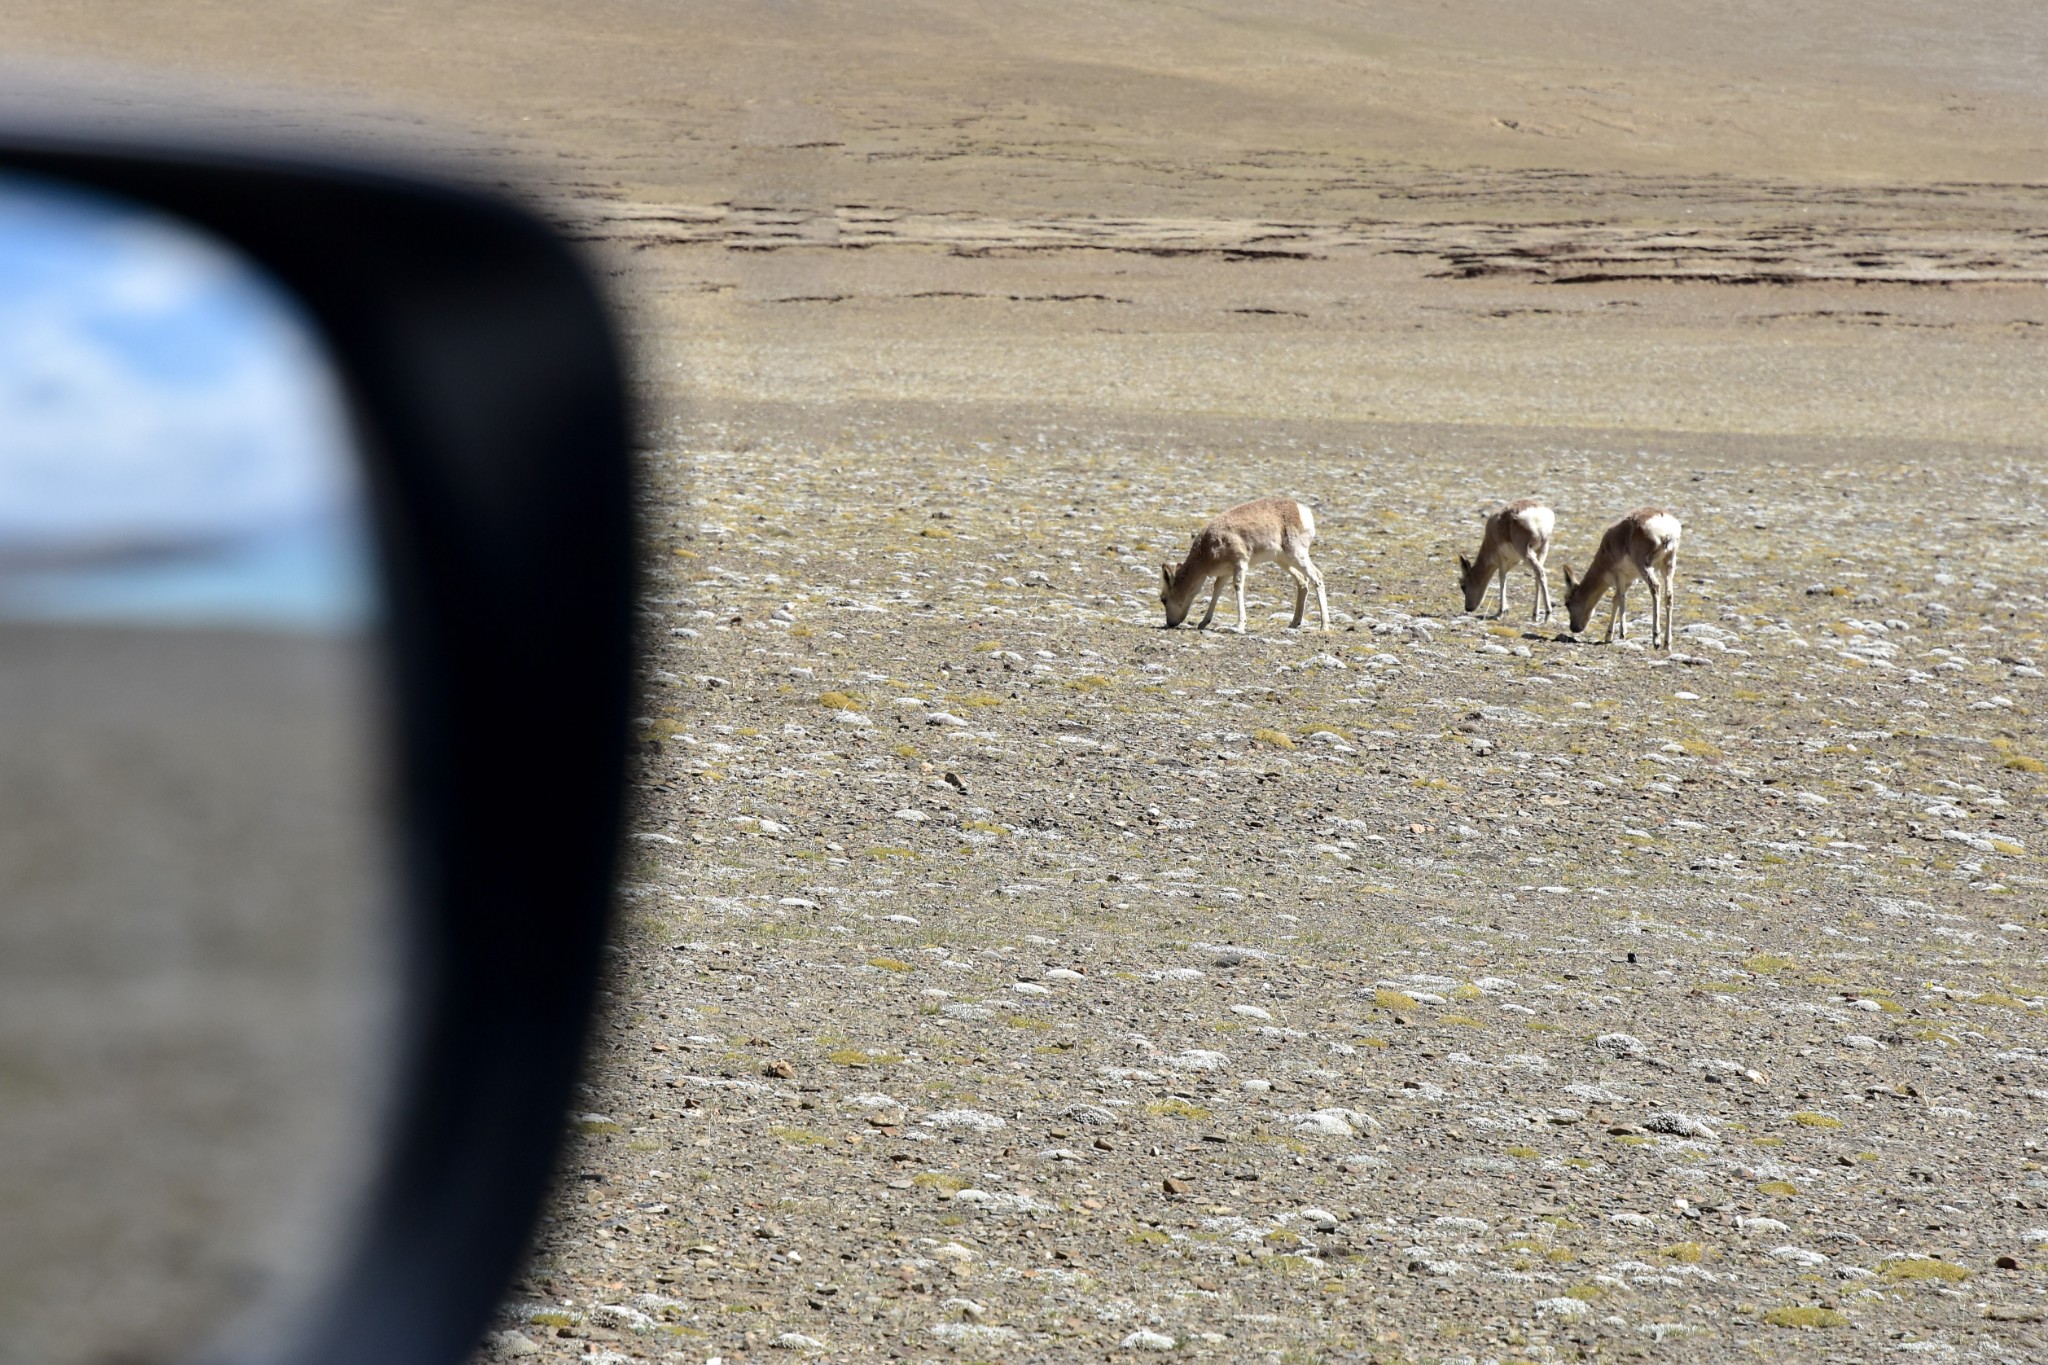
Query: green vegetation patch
[(1176, 1109), (1806, 1316), (1906, 1268)]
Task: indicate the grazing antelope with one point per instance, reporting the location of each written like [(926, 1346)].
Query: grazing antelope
[(1518, 533), (1275, 530), (1643, 544)]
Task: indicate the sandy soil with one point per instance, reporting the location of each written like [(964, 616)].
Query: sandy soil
[(1435, 990)]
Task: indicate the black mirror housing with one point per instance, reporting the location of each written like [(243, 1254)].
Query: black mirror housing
[(487, 394)]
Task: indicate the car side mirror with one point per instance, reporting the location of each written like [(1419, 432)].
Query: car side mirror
[(312, 727)]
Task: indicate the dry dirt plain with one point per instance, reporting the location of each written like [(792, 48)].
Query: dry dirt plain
[(1003, 978)]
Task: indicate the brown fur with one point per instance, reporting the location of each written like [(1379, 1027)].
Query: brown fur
[(1518, 533), (1278, 530), (1643, 544)]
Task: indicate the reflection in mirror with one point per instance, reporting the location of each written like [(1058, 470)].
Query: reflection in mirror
[(197, 892)]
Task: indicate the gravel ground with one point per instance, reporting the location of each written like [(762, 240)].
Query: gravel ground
[(1003, 977)]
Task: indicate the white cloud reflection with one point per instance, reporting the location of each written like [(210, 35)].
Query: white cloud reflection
[(172, 444)]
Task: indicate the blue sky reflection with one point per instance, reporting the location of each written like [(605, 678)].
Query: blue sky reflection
[(172, 445)]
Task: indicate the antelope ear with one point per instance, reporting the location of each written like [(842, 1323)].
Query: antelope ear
[(1166, 574), (1568, 579), (1464, 564)]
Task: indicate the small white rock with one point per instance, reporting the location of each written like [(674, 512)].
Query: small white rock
[(1680, 1125), (513, 1344), (979, 1120), (1145, 1339), (1621, 1045)]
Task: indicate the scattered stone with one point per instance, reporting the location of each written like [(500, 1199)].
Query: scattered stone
[(1087, 1113), (1334, 1123), (1680, 1125), (797, 1341), (512, 1344), (1621, 1045)]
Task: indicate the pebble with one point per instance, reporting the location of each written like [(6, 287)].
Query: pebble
[(1087, 1113), (513, 1344), (1621, 1045), (1680, 1125), (972, 1333), (1337, 1123), (797, 1341)]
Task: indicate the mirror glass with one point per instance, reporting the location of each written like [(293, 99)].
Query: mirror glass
[(197, 902)]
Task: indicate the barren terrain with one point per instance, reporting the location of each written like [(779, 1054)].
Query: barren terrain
[(1003, 978)]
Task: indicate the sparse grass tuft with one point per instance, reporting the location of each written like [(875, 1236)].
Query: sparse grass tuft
[(1806, 1317), (1176, 1109), (1907, 1268)]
